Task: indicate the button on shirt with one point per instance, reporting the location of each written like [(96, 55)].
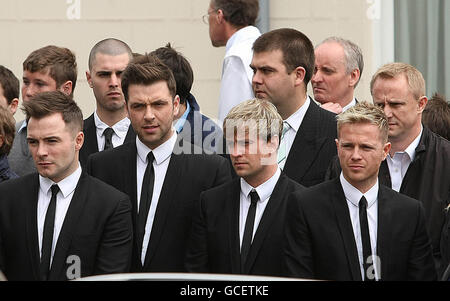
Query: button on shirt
[(264, 192), (294, 121), (398, 165), (120, 131), (353, 195), (63, 199), (162, 158)]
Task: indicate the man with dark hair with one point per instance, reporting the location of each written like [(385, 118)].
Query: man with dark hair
[(191, 125), (231, 24), (436, 116), (60, 223), (338, 68), (283, 64), (109, 126), (162, 181), (353, 228), (50, 68), (9, 89)]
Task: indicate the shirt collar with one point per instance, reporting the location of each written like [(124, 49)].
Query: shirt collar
[(295, 120), (120, 128), (242, 35), (180, 122), (161, 153), (265, 189), (66, 186), (411, 149), (353, 195), (351, 104), (23, 126)]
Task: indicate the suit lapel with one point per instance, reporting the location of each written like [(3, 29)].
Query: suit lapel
[(305, 146), (69, 227), (233, 202), (383, 175), (269, 215), (131, 136), (90, 141), (384, 230), (346, 229), (165, 202), (32, 231)]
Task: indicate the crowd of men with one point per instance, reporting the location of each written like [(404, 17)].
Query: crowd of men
[(323, 187)]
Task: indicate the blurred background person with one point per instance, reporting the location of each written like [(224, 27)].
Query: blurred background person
[(7, 131), (436, 116)]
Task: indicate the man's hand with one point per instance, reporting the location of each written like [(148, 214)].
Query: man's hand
[(332, 107)]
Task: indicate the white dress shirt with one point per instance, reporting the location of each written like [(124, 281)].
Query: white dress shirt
[(236, 85), (353, 196), (63, 199), (264, 192), (120, 131), (294, 121), (162, 158), (398, 165), (349, 105)]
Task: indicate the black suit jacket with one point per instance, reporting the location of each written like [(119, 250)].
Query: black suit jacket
[(427, 180), (90, 145), (187, 176), (313, 148), (320, 243), (97, 228), (214, 244)]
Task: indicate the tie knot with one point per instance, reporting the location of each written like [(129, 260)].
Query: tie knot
[(363, 202), (254, 197), (55, 189), (108, 132), (150, 158)]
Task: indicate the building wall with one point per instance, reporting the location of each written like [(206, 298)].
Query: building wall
[(27, 25)]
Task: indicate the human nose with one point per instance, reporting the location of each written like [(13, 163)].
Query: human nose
[(114, 80), (317, 77), (149, 114), (356, 155)]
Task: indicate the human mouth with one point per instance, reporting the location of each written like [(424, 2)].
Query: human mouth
[(150, 129)]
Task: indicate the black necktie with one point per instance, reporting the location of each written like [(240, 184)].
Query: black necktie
[(146, 197), (365, 236), (108, 138), (248, 230), (47, 237)]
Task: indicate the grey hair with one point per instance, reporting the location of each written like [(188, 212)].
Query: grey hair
[(353, 54)]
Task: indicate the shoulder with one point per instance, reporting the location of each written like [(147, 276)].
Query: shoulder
[(16, 184), (219, 192), (100, 189), (124, 149), (396, 200)]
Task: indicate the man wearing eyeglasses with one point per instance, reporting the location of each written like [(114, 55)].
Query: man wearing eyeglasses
[(231, 24)]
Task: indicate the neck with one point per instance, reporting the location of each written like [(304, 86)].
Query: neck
[(111, 117), (400, 144), (346, 100), (261, 177), (290, 107)]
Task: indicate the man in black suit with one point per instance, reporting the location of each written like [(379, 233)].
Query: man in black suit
[(283, 64), (158, 171), (338, 68), (61, 224), (352, 228), (109, 126), (238, 228), (418, 163)]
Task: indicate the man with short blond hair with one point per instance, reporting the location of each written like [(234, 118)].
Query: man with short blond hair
[(253, 205), (419, 160), (353, 228)]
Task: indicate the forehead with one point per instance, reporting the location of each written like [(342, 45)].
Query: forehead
[(51, 125), (43, 74), (330, 53), (105, 61), (387, 88), (156, 91), (268, 58), (360, 131)]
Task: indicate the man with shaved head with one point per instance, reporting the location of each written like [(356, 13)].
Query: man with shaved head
[(109, 125)]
